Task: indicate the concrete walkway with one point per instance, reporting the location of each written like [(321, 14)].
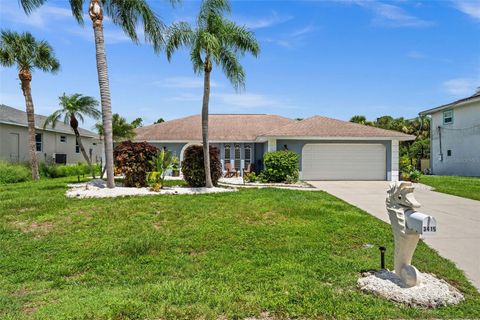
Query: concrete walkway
[(458, 219)]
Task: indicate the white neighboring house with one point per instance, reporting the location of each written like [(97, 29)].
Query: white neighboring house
[(455, 137), (54, 145)]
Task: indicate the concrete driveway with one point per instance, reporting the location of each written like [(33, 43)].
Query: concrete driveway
[(458, 219)]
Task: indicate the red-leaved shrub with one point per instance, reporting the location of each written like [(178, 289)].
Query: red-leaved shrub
[(133, 160)]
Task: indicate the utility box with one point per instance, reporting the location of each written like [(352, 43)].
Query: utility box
[(420, 223)]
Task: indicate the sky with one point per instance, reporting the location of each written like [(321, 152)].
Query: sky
[(332, 58)]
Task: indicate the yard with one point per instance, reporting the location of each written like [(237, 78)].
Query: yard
[(233, 255), (467, 187)]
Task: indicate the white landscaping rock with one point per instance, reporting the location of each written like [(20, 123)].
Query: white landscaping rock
[(430, 293), (97, 189)]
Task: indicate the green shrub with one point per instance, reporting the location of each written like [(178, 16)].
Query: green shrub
[(409, 173), (134, 160), (250, 177), (11, 173), (193, 168), (280, 166), (66, 170)]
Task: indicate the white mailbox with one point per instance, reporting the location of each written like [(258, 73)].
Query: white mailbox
[(420, 222)]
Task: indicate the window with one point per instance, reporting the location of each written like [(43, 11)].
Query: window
[(39, 142), (237, 157), (248, 155), (63, 138), (77, 147), (448, 117), (226, 148), (449, 153)]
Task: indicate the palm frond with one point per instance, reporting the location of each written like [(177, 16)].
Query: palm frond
[(77, 10), (30, 5), (239, 38), (232, 68), (128, 14), (53, 118), (211, 7), (178, 35)]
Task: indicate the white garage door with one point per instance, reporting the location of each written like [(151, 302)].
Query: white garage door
[(328, 161)]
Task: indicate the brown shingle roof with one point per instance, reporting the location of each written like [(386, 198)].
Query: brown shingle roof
[(318, 126), (222, 127)]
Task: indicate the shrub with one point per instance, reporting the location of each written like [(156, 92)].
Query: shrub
[(160, 164), (250, 177), (11, 173), (280, 166), (134, 160), (193, 168), (411, 174), (66, 170)]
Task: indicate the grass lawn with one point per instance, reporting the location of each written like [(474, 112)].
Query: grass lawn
[(232, 255), (467, 187)]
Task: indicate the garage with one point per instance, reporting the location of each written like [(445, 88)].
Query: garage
[(330, 161)]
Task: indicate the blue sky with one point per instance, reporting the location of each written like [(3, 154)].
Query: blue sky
[(332, 58)]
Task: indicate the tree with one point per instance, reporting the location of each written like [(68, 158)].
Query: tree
[(28, 54), (127, 15), (160, 120), (359, 119), (74, 107), (138, 122), (215, 40), (121, 129)]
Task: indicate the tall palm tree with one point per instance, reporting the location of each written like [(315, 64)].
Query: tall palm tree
[(28, 54), (215, 40), (74, 107), (126, 14)]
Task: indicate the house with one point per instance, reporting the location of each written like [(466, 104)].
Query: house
[(329, 149), (455, 137), (53, 144)]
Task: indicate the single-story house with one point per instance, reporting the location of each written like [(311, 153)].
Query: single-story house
[(329, 149), (54, 145), (455, 137)]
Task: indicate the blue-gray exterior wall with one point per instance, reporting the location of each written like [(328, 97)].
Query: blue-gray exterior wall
[(175, 148), (297, 146)]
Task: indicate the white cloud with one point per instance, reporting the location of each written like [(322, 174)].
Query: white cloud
[(264, 22), (183, 83), (461, 86), (37, 19), (469, 7), (389, 15), (293, 38)]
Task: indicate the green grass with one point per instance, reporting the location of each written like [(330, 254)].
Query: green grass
[(291, 253), (467, 187)]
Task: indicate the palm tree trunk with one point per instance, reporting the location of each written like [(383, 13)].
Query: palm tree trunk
[(82, 149), (95, 12), (206, 147), (25, 78)]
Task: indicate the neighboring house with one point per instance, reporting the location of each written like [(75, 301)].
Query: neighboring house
[(53, 144), (329, 149), (455, 137)]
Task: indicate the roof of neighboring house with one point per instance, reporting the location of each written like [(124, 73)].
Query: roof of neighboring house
[(318, 126), (221, 127), (12, 116), (250, 127), (461, 102)]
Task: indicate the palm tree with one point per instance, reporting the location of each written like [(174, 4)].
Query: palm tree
[(121, 129), (126, 14), (74, 107), (215, 40), (28, 54)]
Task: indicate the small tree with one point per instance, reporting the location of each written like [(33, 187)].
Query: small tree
[(134, 160), (161, 163), (193, 166)]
